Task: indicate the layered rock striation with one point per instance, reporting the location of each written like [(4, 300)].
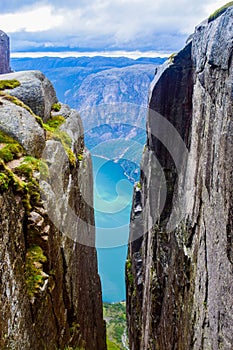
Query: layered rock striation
[(179, 268), (50, 292)]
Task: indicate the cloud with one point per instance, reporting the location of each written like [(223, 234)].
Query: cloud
[(103, 24), (35, 20)]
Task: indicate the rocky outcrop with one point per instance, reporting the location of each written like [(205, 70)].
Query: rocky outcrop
[(19, 123), (35, 90), (4, 53), (179, 267), (50, 292)]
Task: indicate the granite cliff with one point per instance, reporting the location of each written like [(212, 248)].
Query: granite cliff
[(50, 292), (4, 53), (179, 268)]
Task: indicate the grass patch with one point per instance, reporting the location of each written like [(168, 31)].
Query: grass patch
[(9, 84), (219, 11), (34, 269)]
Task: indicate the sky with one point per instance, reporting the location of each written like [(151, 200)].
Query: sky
[(102, 25)]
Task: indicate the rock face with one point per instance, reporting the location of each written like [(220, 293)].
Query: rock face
[(179, 267), (4, 53), (23, 127), (50, 292), (35, 90)]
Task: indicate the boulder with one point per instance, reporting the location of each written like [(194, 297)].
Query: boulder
[(20, 124), (35, 90)]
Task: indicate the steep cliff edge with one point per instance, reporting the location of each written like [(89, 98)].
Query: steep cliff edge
[(179, 268), (50, 292)]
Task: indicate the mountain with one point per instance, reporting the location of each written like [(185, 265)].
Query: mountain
[(69, 74), (180, 256), (50, 291)]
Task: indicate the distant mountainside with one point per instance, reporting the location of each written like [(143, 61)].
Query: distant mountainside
[(73, 77), (125, 84)]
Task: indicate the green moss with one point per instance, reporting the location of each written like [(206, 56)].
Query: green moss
[(4, 138), (52, 126), (30, 164), (34, 269), (219, 11), (28, 188), (9, 84), (11, 151), (80, 157), (129, 272), (18, 184), (4, 182), (56, 107), (54, 123)]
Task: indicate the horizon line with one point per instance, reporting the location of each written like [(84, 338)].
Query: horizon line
[(65, 54)]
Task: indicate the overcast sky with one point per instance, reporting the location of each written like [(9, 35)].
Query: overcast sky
[(129, 25)]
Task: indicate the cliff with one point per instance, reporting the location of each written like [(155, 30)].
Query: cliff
[(50, 292), (179, 267), (4, 53)]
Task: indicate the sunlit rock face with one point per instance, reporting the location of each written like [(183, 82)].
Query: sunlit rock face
[(179, 270), (4, 53)]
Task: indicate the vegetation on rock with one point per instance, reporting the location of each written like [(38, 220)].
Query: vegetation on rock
[(11, 151), (35, 276), (53, 131), (219, 11), (9, 84), (56, 107)]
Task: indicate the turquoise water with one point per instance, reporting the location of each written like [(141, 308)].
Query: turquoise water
[(116, 150), (112, 202)]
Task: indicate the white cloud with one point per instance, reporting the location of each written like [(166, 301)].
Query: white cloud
[(34, 20), (106, 24)]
